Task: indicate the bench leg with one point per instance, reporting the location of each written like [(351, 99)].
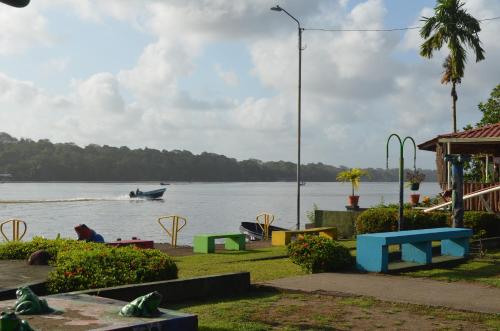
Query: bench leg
[(203, 245), (370, 256), (417, 252), (235, 244), (455, 247)]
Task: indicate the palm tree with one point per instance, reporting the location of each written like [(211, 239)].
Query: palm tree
[(458, 29)]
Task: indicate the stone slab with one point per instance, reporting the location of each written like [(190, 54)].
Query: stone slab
[(78, 312)]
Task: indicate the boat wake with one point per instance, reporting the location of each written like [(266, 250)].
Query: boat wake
[(120, 198)]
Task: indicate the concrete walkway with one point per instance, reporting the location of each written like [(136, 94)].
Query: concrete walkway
[(456, 295), (14, 273)]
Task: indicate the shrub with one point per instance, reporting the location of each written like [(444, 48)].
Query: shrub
[(21, 250), (377, 220), (105, 266), (386, 219), (318, 254), (482, 221)]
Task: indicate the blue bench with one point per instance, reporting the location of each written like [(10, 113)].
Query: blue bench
[(416, 246)]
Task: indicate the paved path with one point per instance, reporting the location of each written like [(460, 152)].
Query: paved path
[(456, 295), (14, 273)]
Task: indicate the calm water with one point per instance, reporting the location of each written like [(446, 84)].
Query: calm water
[(52, 208)]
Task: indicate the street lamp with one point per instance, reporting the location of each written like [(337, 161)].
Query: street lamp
[(278, 8)]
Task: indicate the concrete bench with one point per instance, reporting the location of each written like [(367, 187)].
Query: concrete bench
[(282, 238), (205, 243), (416, 246)]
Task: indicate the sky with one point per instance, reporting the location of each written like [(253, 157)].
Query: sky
[(221, 76)]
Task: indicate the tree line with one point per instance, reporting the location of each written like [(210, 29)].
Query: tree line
[(41, 160)]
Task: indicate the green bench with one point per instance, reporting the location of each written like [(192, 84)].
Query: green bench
[(205, 243)]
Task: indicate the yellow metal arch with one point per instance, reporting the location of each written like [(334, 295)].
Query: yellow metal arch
[(175, 227), (264, 220), (15, 229)]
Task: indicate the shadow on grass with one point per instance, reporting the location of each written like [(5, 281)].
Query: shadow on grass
[(255, 292)]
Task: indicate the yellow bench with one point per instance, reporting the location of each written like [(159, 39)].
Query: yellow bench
[(282, 238)]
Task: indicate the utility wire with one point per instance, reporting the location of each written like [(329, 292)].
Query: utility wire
[(384, 30)]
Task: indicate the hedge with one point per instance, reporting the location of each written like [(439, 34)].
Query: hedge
[(83, 265), (21, 250), (108, 266), (386, 219)]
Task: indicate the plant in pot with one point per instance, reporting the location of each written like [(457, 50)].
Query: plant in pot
[(354, 177), (414, 179)]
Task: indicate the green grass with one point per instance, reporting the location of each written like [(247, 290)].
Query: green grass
[(263, 264), (481, 269)]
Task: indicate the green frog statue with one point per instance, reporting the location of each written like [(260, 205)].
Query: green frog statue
[(10, 322), (29, 304), (144, 306)]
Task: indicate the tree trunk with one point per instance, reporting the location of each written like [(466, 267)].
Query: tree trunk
[(454, 98)]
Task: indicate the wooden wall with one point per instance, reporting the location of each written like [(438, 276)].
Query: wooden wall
[(475, 203)]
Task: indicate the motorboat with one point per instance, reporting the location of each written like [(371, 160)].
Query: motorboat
[(253, 230), (155, 194)]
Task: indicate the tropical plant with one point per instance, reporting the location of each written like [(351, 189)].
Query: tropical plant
[(415, 177), (353, 175), (457, 28)]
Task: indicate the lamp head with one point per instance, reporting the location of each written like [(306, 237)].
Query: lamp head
[(16, 3), (276, 8)]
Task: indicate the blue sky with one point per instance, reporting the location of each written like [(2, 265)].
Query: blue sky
[(220, 76)]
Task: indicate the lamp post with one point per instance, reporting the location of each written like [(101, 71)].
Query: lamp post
[(278, 8), (401, 225)]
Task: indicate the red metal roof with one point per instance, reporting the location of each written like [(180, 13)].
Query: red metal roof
[(488, 131), (481, 140)]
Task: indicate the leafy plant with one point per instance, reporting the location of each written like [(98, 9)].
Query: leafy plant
[(105, 266), (317, 254), (415, 177), (310, 213), (353, 176)]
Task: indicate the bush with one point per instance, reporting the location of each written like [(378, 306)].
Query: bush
[(105, 266), (21, 250), (482, 221), (318, 254), (386, 220)]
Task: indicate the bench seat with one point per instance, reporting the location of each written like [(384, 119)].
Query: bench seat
[(205, 243), (283, 238), (416, 246)]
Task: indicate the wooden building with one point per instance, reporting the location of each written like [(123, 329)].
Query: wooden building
[(481, 142)]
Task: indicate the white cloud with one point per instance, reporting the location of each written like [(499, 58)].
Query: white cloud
[(230, 78), (21, 29), (356, 89)]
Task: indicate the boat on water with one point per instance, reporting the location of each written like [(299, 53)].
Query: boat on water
[(253, 231), (164, 183), (155, 194)]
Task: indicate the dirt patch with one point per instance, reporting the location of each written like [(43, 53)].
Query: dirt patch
[(345, 313)]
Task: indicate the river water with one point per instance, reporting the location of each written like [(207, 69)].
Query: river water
[(55, 208)]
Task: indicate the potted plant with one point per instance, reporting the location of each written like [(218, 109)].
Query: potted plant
[(354, 176), (414, 179)]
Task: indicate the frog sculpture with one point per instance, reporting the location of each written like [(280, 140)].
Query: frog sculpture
[(29, 304), (144, 306), (10, 322)]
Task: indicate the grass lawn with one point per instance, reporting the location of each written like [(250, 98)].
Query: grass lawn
[(264, 309), (263, 264), (480, 269)]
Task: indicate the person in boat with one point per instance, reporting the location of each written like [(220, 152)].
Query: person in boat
[(87, 234)]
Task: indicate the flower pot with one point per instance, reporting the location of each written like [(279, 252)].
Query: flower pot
[(414, 186), (353, 200), (414, 198)]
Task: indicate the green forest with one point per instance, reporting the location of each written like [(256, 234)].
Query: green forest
[(42, 160)]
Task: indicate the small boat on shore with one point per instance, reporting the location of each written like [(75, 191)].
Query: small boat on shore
[(155, 194), (253, 231)]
